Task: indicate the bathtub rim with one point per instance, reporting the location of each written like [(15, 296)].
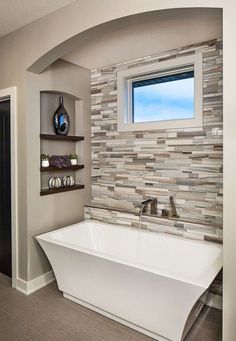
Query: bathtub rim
[(202, 281)]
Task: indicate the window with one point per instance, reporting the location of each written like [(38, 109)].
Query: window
[(163, 95), (163, 98)]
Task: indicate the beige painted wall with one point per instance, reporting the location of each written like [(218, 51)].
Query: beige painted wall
[(146, 34), (229, 305), (46, 213), (22, 48)]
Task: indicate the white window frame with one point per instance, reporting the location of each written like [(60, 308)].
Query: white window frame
[(125, 78)]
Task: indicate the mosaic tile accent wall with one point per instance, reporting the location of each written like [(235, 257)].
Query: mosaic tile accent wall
[(176, 227), (184, 163)]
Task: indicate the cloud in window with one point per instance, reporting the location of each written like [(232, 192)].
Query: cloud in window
[(164, 101)]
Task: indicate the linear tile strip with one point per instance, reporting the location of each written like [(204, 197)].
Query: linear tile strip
[(184, 163)]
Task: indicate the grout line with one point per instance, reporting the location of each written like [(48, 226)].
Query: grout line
[(21, 322)]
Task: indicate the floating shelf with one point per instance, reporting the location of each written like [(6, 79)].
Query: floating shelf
[(61, 137), (56, 169), (53, 144), (59, 190)]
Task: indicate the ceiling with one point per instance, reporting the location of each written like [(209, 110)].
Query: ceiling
[(143, 35), (15, 14)]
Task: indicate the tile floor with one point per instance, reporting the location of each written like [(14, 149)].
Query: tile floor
[(46, 315)]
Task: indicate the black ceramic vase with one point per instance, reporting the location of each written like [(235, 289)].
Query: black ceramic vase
[(61, 119)]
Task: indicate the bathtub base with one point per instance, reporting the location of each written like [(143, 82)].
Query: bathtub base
[(137, 278), (116, 318)]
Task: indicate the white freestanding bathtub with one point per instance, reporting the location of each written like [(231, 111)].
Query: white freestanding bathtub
[(143, 279)]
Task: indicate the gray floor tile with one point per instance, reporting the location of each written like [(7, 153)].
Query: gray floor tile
[(13, 330), (26, 309), (5, 284), (5, 280), (204, 331), (47, 316), (50, 293), (211, 315)]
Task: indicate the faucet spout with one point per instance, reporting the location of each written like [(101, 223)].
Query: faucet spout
[(143, 209)]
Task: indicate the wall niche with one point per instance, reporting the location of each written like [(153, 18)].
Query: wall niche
[(52, 144)]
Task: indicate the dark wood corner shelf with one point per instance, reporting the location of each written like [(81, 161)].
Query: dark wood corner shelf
[(60, 190), (56, 169), (61, 137)]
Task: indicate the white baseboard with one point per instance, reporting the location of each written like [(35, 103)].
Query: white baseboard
[(35, 284)]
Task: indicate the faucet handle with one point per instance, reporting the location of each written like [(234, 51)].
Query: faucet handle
[(173, 208), (164, 213)]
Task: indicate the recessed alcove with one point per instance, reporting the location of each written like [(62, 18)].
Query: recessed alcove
[(52, 144)]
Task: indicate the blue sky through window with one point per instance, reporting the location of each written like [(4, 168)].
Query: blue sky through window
[(170, 100)]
